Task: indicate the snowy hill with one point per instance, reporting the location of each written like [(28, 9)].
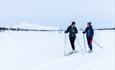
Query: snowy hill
[(30, 25), (45, 51)]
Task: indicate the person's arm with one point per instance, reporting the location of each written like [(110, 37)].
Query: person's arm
[(76, 31), (67, 30), (84, 31), (92, 32)]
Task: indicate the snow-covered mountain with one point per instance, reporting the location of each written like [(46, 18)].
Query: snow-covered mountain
[(31, 25)]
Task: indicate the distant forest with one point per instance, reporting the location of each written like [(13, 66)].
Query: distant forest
[(24, 29)]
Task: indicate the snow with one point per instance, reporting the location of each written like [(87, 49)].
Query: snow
[(45, 51)]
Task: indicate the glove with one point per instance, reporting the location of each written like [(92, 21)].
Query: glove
[(83, 32), (65, 32)]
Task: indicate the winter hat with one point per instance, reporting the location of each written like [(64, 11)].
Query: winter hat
[(89, 23), (73, 22)]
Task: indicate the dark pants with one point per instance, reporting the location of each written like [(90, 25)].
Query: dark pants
[(89, 41), (72, 40)]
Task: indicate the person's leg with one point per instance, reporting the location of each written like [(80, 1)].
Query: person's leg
[(89, 40), (90, 43), (72, 40), (90, 46)]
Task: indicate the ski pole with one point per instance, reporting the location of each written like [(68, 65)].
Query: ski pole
[(80, 46), (65, 45), (84, 42), (97, 44), (79, 43)]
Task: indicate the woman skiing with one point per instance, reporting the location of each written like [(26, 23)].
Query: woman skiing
[(72, 34), (89, 34)]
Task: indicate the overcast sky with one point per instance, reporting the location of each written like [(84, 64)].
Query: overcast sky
[(58, 13)]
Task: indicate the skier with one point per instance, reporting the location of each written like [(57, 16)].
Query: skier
[(89, 34), (72, 34)]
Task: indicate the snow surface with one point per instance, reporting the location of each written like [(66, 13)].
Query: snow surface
[(45, 51)]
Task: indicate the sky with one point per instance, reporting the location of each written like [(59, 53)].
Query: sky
[(58, 13)]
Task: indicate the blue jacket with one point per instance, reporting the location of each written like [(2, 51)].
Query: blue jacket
[(89, 32)]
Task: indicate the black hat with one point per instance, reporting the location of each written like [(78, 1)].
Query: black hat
[(89, 23), (73, 22)]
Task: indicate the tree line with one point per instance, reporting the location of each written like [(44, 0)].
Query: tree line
[(24, 29)]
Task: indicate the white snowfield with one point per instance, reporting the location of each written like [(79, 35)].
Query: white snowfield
[(45, 51)]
